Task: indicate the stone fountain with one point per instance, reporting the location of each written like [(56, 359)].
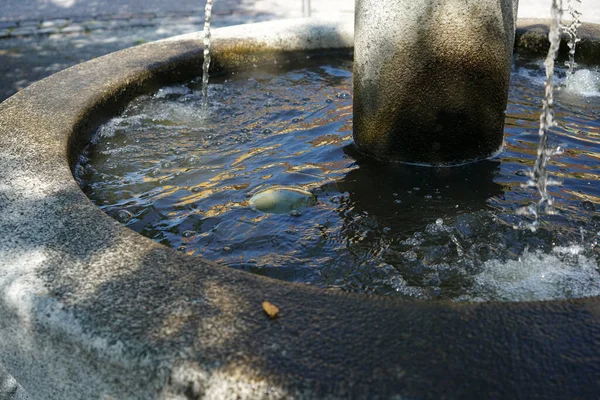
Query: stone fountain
[(431, 81), (90, 309)]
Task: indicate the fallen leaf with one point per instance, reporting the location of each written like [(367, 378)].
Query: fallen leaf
[(270, 309)]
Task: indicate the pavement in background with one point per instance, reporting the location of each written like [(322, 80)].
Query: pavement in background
[(41, 37)]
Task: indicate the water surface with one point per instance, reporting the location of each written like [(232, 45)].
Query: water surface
[(392, 229)]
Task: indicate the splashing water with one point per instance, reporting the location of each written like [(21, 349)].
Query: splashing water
[(206, 63), (539, 177), (571, 31)]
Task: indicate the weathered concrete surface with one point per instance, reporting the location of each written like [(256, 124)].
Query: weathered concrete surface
[(10, 388), (431, 78), (92, 310)]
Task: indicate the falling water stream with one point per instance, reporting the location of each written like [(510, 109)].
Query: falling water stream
[(206, 63), (539, 177), (571, 31)]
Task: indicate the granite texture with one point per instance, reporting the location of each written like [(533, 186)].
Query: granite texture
[(10, 388), (91, 310)]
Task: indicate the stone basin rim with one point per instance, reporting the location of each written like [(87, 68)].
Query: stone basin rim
[(57, 115)]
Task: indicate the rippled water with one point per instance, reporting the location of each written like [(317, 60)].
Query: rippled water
[(433, 233)]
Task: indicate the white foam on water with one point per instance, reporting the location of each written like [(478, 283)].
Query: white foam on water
[(584, 82), (564, 273), (178, 90), (108, 130)]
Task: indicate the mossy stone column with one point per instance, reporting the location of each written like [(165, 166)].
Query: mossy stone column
[(431, 78)]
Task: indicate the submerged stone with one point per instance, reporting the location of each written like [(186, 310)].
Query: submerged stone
[(282, 200)]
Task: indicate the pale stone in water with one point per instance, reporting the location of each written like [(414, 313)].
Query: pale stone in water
[(281, 200)]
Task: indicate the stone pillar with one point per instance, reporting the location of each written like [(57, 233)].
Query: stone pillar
[(431, 78)]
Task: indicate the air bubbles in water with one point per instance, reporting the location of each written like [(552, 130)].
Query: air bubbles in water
[(564, 273), (124, 216), (584, 82)]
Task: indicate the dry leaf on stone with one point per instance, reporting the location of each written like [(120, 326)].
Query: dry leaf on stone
[(270, 309)]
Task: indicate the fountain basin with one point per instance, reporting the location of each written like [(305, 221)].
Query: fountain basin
[(90, 309)]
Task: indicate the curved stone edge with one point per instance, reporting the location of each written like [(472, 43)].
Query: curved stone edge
[(532, 38), (89, 309)]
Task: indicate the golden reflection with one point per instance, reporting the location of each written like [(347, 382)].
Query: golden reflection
[(577, 175), (252, 153), (166, 192), (582, 137), (327, 140), (220, 209), (583, 196)]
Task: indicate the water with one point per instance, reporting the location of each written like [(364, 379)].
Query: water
[(539, 177), (390, 229), (206, 62)]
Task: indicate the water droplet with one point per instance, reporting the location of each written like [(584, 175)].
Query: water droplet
[(439, 222), (297, 119), (267, 131), (398, 201), (343, 95), (329, 101), (192, 160), (295, 213), (124, 216), (188, 234)]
